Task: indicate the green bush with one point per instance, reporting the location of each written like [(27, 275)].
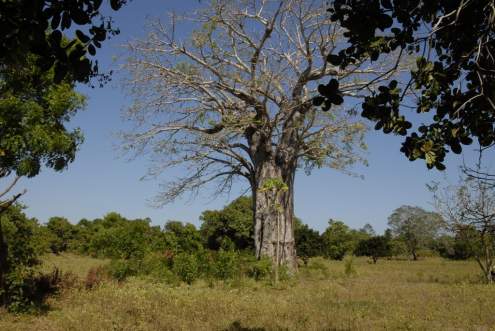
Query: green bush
[(156, 266), (259, 269), (121, 269), (226, 264), (186, 267), (18, 291), (18, 287), (318, 265)]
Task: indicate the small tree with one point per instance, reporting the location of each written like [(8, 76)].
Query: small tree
[(374, 247), (337, 240), (415, 226), (62, 233), (188, 238), (469, 211), (20, 260), (308, 241)]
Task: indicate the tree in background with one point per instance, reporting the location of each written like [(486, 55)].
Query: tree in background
[(235, 100), (374, 247), (469, 211), (231, 227), (454, 76), (308, 241), (368, 230), (62, 232), (338, 240), (117, 237), (415, 226), (188, 238)]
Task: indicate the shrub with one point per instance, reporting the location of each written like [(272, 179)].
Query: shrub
[(154, 264), (318, 265), (20, 251), (157, 267), (26, 290), (259, 269), (226, 265), (95, 277), (121, 269), (349, 269), (186, 267)]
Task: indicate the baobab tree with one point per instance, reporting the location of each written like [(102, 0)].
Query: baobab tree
[(236, 99)]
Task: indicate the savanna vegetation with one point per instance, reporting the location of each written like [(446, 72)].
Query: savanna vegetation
[(221, 251), (242, 95)]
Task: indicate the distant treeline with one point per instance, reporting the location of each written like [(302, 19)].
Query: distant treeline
[(117, 237), (222, 248)]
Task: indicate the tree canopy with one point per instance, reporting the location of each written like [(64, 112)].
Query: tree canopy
[(33, 114), (38, 27), (416, 226), (453, 78), (231, 227)]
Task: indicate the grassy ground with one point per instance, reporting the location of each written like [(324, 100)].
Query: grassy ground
[(432, 294), (76, 264)]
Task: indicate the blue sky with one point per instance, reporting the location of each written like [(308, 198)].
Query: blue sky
[(100, 181)]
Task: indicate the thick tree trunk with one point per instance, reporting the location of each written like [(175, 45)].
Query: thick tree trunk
[(274, 215)]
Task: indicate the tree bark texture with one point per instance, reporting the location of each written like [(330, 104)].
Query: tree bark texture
[(274, 216)]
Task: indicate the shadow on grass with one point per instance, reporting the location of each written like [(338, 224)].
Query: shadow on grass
[(237, 326), (31, 295)]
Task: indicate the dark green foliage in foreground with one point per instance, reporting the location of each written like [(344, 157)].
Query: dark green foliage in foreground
[(37, 27), (20, 290), (33, 114), (454, 77)]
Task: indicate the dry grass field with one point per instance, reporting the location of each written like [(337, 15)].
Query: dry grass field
[(430, 294)]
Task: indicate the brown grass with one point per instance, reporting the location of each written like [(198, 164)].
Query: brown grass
[(432, 294)]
